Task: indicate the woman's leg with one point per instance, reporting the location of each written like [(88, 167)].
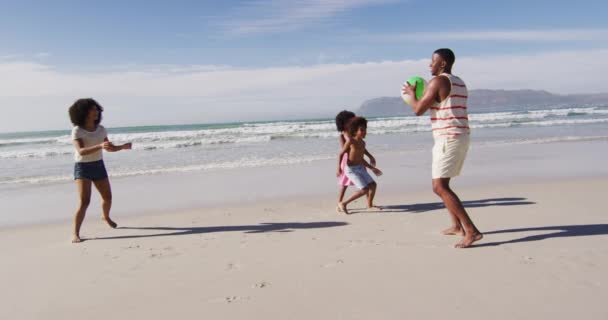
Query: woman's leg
[(84, 193), (103, 186)]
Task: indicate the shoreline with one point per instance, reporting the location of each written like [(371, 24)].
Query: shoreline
[(392, 201), (405, 172)]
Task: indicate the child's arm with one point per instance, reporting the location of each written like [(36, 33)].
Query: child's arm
[(342, 140), (114, 148), (375, 170), (372, 160), (344, 150)]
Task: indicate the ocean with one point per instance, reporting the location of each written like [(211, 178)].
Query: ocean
[(46, 157)]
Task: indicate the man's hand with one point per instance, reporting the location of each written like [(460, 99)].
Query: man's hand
[(408, 89)]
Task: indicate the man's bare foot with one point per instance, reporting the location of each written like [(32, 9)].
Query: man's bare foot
[(76, 239), (453, 231), (342, 208), (109, 221), (375, 208), (467, 241)]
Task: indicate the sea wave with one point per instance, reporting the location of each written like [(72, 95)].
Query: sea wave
[(247, 162), (205, 136), (545, 140), (35, 141)]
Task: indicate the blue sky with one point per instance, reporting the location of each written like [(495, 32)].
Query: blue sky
[(56, 51), (86, 34)]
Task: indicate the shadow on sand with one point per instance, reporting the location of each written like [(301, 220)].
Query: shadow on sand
[(560, 232), (259, 228), (424, 207)]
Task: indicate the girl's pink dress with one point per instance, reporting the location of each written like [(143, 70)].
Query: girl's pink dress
[(343, 179)]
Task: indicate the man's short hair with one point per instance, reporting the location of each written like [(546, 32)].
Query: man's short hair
[(447, 55)]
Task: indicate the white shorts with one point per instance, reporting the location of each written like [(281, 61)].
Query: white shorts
[(359, 176), (448, 156)]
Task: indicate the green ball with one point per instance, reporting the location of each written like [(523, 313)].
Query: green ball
[(419, 82)]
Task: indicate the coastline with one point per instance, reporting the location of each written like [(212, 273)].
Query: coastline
[(405, 172)]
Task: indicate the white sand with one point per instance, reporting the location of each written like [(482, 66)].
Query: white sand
[(544, 254)]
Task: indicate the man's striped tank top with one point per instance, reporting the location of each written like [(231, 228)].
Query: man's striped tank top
[(450, 117)]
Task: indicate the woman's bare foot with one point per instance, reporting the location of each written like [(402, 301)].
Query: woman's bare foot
[(468, 240), (453, 231), (76, 239), (342, 208), (109, 221)]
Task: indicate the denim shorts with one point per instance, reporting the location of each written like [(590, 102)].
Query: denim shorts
[(95, 170), (359, 176)]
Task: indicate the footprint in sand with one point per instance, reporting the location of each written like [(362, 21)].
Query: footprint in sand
[(333, 264), (233, 266), (232, 299), (132, 247), (262, 285), (165, 252)]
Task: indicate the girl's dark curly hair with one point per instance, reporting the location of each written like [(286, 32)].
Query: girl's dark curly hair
[(354, 124), (80, 109), (342, 118)]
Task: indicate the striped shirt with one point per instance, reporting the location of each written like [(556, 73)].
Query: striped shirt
[(450, 117)]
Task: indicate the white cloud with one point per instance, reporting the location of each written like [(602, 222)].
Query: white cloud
[(553, 35), (210, 94), (267, 16)]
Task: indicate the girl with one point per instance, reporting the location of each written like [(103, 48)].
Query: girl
[(341, 119), (90, 138)]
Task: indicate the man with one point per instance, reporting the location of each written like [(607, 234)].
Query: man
[(446, 97)]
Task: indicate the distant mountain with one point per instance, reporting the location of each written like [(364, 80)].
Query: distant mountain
[(487, 100)]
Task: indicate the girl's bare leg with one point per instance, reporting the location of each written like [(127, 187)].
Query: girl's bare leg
[(103, 186), (84, 193), (341, 193)]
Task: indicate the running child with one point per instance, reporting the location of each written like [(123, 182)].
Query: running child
[(356, 164), (343, 181)]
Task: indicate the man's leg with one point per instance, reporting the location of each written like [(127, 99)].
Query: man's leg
[(461, 222), (441, 188)]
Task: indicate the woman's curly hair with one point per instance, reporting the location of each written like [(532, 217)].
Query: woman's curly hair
[(342, 118), (354, 124), (80, 109)]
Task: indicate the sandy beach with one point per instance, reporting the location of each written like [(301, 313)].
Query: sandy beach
[(287, 255)]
